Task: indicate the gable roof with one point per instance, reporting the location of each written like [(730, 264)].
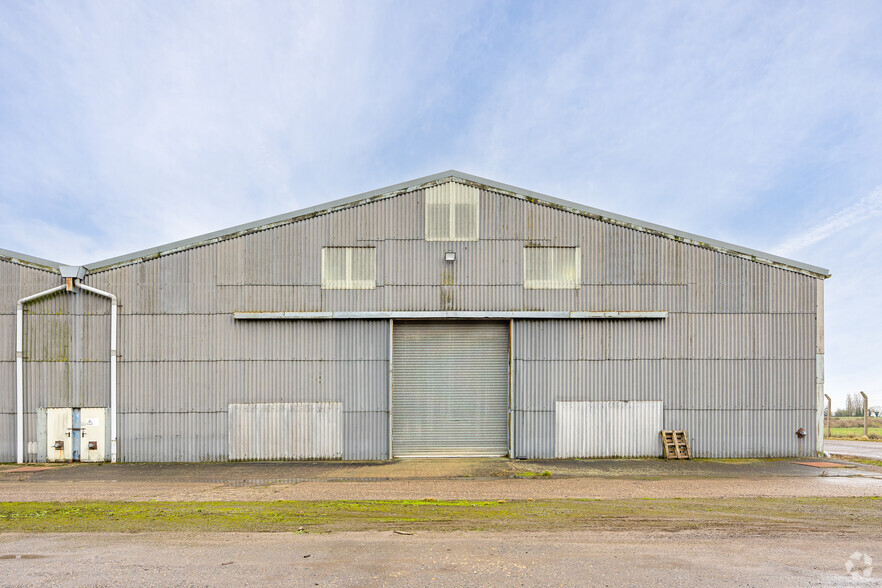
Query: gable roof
[(420, 183)]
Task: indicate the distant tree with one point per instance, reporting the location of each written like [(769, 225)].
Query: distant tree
[(854, 404)]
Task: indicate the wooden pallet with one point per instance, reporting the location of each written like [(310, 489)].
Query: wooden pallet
[(676, 444)]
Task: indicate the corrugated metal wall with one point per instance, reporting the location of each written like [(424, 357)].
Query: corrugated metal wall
[(738, 392), (179, 374), (737, 352)]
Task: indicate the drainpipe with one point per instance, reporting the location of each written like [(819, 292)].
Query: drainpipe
[(19, 368), (113, 311)]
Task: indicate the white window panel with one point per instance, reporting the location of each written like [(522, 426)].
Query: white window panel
[(452, 212), (552, 268), (349, 268)]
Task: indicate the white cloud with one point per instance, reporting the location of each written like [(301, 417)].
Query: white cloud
[(686, 115), (868, 207)]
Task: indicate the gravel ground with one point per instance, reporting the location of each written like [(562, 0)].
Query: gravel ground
[(417, 469), (740, 557), (858, 485), (439, 478), (575, 558)]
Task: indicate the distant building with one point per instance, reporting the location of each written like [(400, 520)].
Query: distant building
[(450, 315)]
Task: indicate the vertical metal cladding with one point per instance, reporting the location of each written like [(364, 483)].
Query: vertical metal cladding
[(222, 362), (173, 436), (286, 430), (52, 368), (737, 352), (608, 428), (534, 434), (733, 402), (745, 433)]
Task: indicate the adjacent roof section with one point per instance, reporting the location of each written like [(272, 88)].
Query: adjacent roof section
[(30, 260), (420, 183)]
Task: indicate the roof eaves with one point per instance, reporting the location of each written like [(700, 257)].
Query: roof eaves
[(265, 223), (30, 261), (419, 183), (632, 223)]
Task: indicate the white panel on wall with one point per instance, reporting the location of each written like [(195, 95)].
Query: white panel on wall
[(349, 268), (608, 429), (552, 268), (286, 430), (452, 211)]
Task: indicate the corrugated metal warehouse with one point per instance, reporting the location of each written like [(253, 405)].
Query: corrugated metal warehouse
[(450, 315)]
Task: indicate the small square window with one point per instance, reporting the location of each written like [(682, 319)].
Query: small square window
[(349, 268), (552, 268), (452, 212)]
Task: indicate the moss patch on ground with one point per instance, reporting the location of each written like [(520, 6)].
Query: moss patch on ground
[(529, 474), (861, 460), (807, 515)]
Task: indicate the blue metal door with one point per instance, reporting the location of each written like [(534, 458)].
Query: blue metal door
[(75, 435)]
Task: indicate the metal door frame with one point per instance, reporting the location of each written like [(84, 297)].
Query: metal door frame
[(391, 378)]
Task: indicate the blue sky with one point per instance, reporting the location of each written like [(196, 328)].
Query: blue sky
[(124, 125)]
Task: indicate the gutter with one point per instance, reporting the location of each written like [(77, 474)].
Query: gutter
[(451, 314)]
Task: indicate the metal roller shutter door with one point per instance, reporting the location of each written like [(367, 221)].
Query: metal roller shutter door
[(450, 391)]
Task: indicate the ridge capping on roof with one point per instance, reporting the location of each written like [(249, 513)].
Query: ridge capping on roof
[(405, 187), (39, 263)]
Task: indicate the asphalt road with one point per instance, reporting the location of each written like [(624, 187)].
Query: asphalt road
[(868, 449), (573, 558)]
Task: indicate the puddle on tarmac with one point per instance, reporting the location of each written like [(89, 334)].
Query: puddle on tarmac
[(268, 482), (855, 481), (22, 556)]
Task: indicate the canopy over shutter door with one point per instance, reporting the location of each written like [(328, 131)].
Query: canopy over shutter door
[(450, 391)]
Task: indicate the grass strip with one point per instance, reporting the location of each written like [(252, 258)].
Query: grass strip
[(807, 515), (862, 460)]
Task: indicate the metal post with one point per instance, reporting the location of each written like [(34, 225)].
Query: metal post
[(866, 412), (829, 412)]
